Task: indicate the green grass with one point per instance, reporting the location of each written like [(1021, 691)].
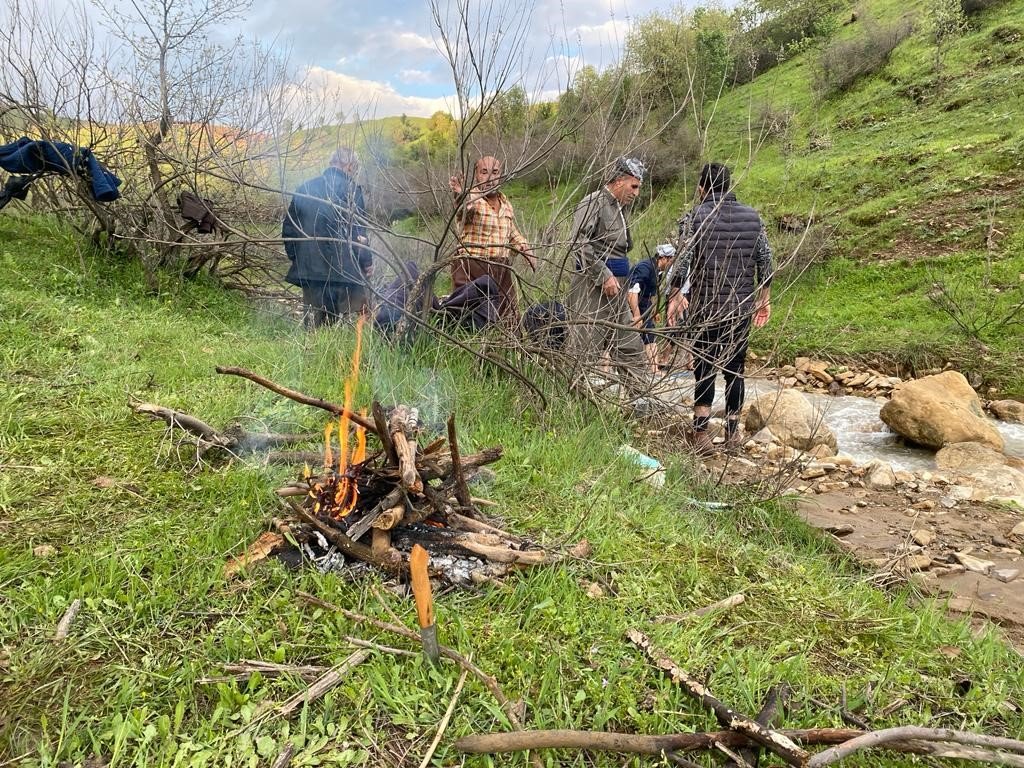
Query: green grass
[(145, 557)]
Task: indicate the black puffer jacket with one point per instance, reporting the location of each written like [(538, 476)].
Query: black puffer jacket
[(321, 230), (723, 271)]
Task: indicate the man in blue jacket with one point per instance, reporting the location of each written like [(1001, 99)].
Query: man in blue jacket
[(325, 237), (642, 295)]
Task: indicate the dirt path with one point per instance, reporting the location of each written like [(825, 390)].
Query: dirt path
[(885, 531)]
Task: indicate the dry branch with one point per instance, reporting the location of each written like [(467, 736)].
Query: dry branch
[(766, 737), (910, 733), (331, 679), (461, 489), (297, 396), (632, 743), (722, 605)]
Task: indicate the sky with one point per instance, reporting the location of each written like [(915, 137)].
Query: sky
[(381, 57)]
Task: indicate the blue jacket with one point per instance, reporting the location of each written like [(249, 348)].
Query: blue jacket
[(29, 156), (645, 273), (321, 231)]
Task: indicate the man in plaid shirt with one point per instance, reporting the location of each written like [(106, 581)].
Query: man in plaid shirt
[(489, 237)]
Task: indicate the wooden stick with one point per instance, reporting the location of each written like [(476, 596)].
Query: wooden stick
[(774, 700), (331, 679), (312, 458), (502, 554), (721, 605), (247, 667), (299, 397), (360, 643), (292, 490), (443, 725), (393, 499), (346, 545), (285, 757), (479, 526), (380, 543), (64, 626), (186, 421), (488, 682), (380, 422), (445, 469), (769, 739), (632, 743), (461, 489), (406, 450), (876, 739)]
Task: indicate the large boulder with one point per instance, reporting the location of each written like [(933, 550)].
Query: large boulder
[(988, 472), (792, 419), (938, 410), (1008, 410), (968, 457)]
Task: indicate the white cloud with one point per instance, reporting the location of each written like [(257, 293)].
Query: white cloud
[(365, 99), (415, 76)]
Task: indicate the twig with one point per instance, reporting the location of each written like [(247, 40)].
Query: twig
[(766, 737), (285, 757), (64, 626), (443, 725), (737, 759), (907, 733), (297, 396), (246, 667), (489, 682), (360, 643), (461, 489), (332, 678), (721, 605)]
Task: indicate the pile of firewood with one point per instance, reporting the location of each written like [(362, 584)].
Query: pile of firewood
[(374, 502)]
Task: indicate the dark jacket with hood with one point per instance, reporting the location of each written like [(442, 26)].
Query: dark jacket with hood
[(724, 269), (321, 230)]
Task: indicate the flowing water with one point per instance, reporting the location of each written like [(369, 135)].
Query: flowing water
[(859, 430)]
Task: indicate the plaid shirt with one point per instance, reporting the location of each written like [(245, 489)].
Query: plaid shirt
[(488, 234)]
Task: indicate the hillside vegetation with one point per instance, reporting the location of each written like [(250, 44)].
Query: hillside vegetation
[(913, 180)]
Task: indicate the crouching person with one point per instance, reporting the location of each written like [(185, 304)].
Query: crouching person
[(642, 295)]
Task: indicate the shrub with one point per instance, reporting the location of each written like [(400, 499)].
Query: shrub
[(972, 7), (844, 62)]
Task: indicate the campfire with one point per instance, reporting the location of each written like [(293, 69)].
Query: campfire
[(373, 491)]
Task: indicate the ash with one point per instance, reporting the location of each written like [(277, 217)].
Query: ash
[(457, 570)]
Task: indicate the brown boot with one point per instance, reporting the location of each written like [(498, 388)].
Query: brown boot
[(734, 442), (700, 443)]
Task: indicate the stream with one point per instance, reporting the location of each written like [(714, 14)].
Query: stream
[(859, 430)]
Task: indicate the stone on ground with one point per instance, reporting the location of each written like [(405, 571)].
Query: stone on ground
[(1008, 410), (792, 419), (880, 476), (938, 410)]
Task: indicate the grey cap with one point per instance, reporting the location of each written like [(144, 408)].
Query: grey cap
[(627, 166), (666, 249)]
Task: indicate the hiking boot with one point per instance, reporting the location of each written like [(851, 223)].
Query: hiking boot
[(734, 441), (700, 443)]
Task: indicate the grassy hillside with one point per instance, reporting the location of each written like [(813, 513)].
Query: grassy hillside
[(97, 505), (913, 179)]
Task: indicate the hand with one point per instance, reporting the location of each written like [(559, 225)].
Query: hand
[(610, 287), (762, 314), (362, 239), (368, 271), (530, 259), (638, 321), (455, 183)]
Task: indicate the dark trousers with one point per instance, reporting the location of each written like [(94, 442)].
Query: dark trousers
[(721, 347), (327, 303)]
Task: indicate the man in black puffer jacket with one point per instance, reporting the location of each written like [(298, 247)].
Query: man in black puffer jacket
[(324, 235), (728, 260)]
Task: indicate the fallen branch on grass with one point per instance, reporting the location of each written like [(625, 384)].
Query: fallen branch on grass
[(728, 717), (64, 626), (722, 605), (328, 681), (925, 736)]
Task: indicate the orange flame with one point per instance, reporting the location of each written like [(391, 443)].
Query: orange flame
[(347, 494)]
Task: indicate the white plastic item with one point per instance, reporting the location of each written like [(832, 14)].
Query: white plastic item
[(653, 470)]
